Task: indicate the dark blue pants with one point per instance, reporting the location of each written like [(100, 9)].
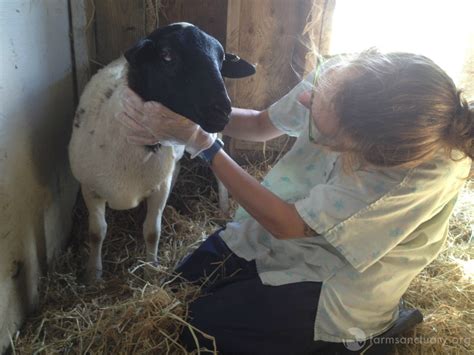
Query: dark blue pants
[(242, 314), (247, 317)]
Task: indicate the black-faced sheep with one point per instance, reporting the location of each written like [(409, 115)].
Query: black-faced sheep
[(178, 65)]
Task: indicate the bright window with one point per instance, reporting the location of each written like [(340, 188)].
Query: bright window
[(442, 30)]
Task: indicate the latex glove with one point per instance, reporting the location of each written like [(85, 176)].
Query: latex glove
[(151, 122)]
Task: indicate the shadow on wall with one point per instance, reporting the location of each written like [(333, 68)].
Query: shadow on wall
[(37, 194), (37, 191)]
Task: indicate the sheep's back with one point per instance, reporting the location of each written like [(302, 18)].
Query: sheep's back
[(100, 156)]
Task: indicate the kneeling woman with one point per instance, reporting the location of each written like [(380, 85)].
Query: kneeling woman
[(337, 230)]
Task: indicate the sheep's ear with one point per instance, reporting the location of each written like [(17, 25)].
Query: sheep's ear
[(139, 53), (235, 67)]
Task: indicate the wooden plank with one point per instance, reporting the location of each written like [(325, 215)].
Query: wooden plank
[(269, 30), (233, 38), (90, 34), (119, 24), (152, 9), (79, 23), (234, 9), (232, 46), (270, 35), (209, 15)]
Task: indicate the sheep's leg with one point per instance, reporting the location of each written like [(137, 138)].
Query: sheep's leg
[(97, 230), (176, 171), (152, 225)]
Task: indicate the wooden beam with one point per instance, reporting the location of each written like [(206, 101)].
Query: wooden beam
[(80, 43), (234, 8), (152, 17)]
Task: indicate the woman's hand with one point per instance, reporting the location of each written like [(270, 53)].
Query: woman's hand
[(150, 123)]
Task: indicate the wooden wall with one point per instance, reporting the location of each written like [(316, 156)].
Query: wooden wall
[(118, 25), (209, 15), (112, 26), (269, 34)]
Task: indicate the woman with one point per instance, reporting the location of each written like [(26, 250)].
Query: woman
[(323, 250)]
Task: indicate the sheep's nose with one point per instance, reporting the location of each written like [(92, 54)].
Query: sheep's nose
[(221, 102), (215, 117), (218, 109), (223, 108)]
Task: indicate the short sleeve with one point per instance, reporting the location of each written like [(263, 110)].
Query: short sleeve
[(365, 219), (288, 114)]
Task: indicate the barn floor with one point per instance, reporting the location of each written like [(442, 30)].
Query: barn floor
[(129, 312)]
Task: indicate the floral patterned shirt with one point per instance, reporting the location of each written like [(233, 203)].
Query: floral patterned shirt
[(375, 229)]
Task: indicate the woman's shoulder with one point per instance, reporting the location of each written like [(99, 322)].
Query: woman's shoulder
[(444, 166), (442, 172)]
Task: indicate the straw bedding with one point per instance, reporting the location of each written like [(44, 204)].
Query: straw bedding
[(136, 311)]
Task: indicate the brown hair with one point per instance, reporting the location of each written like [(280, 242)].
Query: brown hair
[(399, 110)]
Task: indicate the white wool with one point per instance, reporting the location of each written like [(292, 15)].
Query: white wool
[(101, 157), (113, 171)]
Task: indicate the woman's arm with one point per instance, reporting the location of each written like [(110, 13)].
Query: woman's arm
[(277, 216), (251, 125)]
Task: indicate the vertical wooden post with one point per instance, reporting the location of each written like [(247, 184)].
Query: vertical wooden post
[(119, 24), (152, 9), (268, 33), (234, 8), (82, 41)]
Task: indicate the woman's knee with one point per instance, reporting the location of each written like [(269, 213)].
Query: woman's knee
[(204, 260)]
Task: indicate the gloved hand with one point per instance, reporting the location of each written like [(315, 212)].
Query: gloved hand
[(151, 122)]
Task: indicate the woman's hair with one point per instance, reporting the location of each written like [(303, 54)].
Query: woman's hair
[(399, 109)]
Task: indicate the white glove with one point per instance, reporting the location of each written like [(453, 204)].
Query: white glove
[(150, 123)]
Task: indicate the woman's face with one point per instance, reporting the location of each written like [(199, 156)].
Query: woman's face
[(323, 111)]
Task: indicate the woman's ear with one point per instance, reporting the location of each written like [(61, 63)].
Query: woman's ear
[(235, 67)]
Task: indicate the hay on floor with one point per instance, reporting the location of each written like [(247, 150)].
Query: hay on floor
[(133, 312)]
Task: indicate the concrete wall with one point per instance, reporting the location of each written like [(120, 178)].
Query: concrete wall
[(37, 191)]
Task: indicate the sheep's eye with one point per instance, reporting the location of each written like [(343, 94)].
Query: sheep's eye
[(166, 55)]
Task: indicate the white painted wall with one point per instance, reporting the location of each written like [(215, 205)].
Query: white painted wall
[(37, 191)]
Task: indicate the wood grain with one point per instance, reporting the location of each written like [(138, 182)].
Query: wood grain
[(268, 33), (80, 45), (119, 24), (209, 15)]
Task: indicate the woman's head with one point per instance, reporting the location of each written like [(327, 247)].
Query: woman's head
[(394, 109)]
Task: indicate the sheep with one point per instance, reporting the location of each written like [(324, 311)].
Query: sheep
[(178, 65)]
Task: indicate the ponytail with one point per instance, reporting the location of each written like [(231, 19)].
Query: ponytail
[(461, 131)]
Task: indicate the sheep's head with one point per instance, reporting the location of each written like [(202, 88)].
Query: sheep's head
[(183, 67)]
